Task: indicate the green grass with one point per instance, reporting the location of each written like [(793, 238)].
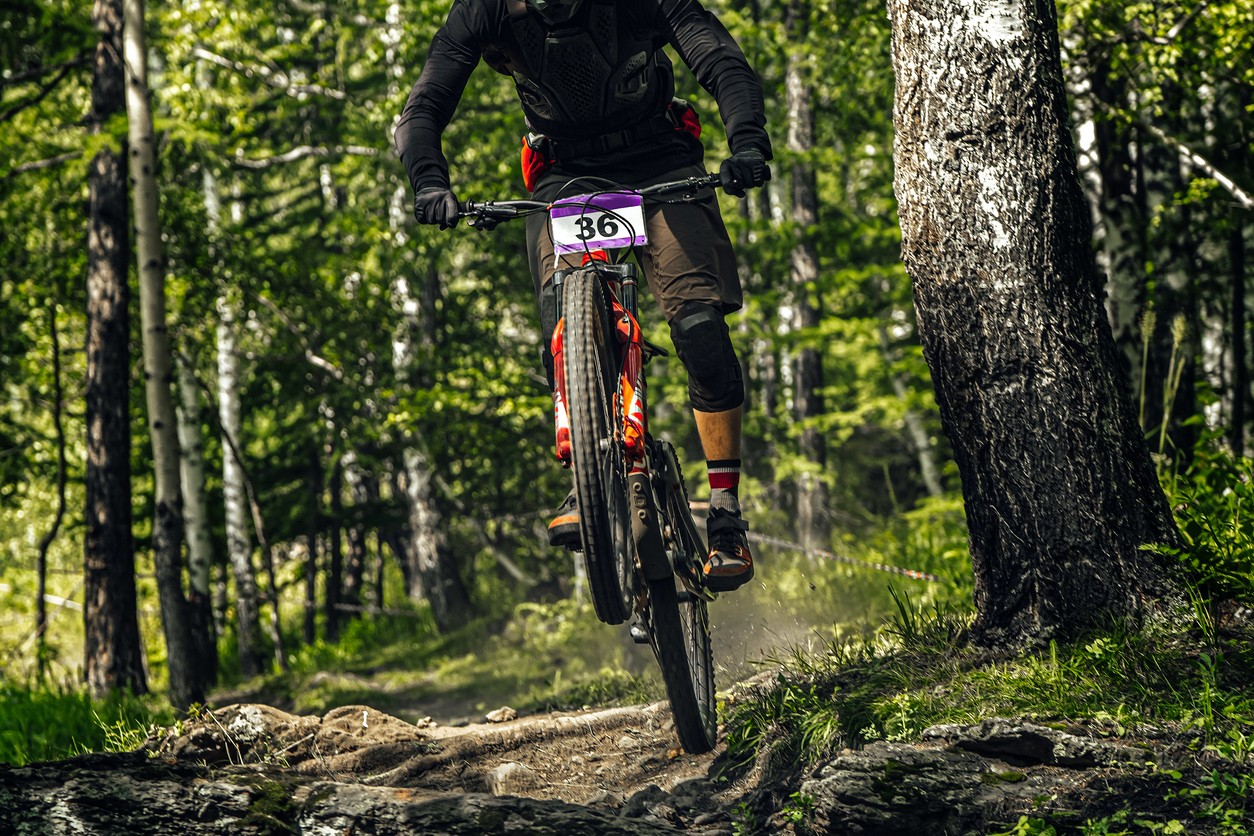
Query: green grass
[(917, 672), (54, 721)]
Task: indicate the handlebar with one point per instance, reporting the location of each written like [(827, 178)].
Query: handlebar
[(488, 214)]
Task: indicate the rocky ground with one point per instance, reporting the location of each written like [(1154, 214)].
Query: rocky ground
[(252, 769)]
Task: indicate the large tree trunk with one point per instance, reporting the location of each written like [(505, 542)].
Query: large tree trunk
[(167, 532), (111, 653), (804, 260), (1060, 491)]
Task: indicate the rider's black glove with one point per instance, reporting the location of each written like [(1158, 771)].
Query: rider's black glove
[(436, 205), (744, 170)]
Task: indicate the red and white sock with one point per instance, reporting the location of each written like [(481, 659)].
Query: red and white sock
[(724, 484)]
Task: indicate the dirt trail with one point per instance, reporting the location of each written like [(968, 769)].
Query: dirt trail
[(253, 769), (623, 761)]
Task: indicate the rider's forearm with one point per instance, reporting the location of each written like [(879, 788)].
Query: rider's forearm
[(418, 143), (721, 68)]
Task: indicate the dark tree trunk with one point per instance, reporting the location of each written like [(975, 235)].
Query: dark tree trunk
[(1121, 222), (112, 656), (379, 565), (1059, 488), (1240, 338), (335, 570), (313, 534), (41, 557), (394, 536), (1170, 252), (355, 565)]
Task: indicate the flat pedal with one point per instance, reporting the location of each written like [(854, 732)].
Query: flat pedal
[(639, 635)]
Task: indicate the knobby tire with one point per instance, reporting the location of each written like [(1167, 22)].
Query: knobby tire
[(596, 456), (679, 622)]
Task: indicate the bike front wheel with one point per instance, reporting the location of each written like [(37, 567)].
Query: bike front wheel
[(680, 627), (597, 457)]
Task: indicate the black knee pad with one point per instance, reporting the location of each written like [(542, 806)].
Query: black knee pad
[(704, 347), (548, 321)]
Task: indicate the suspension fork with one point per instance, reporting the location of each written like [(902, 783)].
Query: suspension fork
[(561, 418)]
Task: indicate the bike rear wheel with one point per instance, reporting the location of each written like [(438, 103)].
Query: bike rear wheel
[(679, 622), (596, 455)]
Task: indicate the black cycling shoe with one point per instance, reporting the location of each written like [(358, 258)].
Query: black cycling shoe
[(564, 529), (730, 564)]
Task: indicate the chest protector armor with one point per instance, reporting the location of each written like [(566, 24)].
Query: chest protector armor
[(601, 71)]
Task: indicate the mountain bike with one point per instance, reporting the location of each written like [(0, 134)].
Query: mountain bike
[(641, 548)]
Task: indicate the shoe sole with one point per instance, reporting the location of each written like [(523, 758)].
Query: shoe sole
[(566, 536), (728, 583)]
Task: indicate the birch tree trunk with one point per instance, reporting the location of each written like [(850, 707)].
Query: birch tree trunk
[(196, 521), (804, 261), (167, 533), (205, 627), (1059, 488), (432, 571), (238, 542), (112, 658)]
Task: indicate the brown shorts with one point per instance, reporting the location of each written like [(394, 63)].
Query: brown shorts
[(688, 257)]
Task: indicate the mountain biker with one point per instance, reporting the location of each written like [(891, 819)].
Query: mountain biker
[(597, 91)]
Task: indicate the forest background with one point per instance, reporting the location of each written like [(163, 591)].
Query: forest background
[(365, 397)]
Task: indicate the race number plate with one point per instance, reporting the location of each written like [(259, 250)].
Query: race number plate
[(597, 221)]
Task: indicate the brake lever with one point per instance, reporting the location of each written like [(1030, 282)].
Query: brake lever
[(484, 223)]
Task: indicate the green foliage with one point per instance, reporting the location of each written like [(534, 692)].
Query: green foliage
[(797, 812), (54, 721), (1213, 501)]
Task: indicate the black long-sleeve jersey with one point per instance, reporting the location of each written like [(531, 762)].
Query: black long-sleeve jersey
[(605, 71)]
